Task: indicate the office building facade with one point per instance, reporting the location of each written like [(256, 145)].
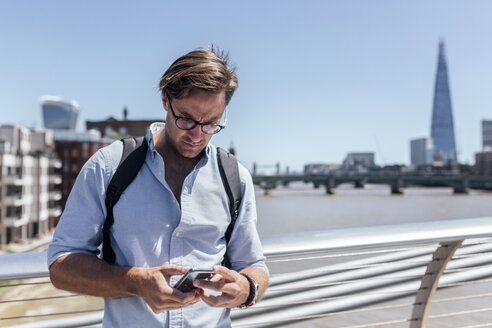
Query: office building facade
[(442, 127), (421, 151), (59, 114), (487, 135)]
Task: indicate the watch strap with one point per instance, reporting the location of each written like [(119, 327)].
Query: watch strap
[(253, 292)]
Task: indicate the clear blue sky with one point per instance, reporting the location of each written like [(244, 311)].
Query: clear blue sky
[(317, 79)]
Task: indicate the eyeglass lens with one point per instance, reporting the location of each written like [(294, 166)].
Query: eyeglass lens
[(188, 124)]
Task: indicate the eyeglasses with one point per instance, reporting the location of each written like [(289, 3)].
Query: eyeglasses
[(185, 123)]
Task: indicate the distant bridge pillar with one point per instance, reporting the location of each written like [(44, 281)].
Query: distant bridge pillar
[(330, 185), (396, 186), (462, 187), (359, 184), (267, 186)]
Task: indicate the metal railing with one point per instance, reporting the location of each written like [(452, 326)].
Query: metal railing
[(402, 275)]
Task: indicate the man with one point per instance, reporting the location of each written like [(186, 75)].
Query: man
[(172, 217)]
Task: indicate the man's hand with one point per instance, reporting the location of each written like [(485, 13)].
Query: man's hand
[(233, 286), (87, 274), (153, 287)]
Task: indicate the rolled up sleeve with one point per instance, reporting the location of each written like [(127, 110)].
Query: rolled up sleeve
[(245, 249)]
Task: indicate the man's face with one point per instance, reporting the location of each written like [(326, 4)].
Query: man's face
[(200, 106)]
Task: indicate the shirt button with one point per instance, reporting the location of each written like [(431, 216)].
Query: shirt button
[(178, 234)]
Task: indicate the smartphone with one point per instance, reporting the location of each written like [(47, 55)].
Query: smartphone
[(185, 284)]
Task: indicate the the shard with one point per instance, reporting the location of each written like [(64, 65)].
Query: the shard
[(442, 129)]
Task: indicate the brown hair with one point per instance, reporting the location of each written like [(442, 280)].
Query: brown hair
[(205, 69)]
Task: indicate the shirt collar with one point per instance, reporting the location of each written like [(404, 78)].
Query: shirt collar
[(153, 129)]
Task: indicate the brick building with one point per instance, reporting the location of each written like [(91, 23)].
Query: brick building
[(74, 149), (114, 128)]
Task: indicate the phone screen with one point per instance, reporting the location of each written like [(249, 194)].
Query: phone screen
[(185, 284)]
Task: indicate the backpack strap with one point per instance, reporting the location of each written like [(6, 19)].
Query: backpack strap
[(134, 153), (229, 172)]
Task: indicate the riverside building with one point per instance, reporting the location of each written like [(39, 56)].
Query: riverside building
[(29, 199), (487, 135), (483, 159), (421, 151)]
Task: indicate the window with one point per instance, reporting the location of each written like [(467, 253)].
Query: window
[(108, 131), (14, 211), (14, 190)]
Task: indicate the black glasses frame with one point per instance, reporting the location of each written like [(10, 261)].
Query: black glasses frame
[(195, 123)]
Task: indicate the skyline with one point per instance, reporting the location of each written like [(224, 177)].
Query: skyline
[(316, 80)]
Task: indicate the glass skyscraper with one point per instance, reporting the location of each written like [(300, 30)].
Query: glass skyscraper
[(59, 114), (442, 129)]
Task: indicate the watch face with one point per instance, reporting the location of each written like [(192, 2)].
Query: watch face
[(256, 294)]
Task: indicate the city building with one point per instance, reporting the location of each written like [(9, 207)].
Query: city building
[(29, 200), (421, 151), (487, 135), (117, 129), (320, 168), (442, 128), (360, 162), (74, 149), (59, 114), (483, 164)]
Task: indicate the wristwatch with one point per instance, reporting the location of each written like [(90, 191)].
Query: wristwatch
[(253, 293)]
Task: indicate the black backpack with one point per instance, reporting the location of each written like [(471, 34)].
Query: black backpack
[(134, 153)]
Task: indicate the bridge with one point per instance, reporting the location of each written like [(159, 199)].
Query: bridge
[(461, 183)]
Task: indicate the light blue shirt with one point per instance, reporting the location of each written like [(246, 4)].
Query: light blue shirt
[(151, 229)]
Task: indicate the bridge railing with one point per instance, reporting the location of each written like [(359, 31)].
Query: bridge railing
[(402, 275)]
